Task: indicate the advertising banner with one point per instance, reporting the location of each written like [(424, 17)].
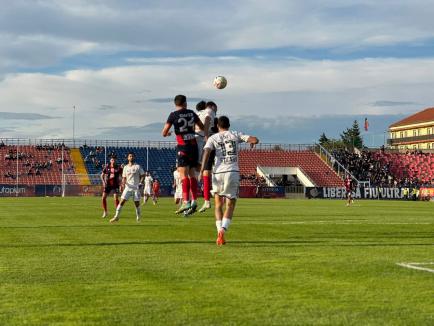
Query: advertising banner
[(358, 193), (12, 191)]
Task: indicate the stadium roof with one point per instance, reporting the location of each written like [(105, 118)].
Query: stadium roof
[(426, 115)]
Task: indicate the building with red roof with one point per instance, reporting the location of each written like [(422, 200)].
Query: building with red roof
[(413, 132)]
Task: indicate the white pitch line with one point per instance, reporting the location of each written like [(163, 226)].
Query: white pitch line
[(416, 266)]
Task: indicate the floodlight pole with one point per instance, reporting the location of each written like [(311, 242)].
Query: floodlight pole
[(73, 126)]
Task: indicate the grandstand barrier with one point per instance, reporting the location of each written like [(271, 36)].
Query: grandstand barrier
[(367, 193)]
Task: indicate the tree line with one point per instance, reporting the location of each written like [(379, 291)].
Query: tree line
[(349, 138)]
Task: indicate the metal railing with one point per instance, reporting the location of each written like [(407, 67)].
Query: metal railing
[(333, 163)]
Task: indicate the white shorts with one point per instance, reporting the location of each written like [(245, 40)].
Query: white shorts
[(148, 191), (226, 184), (178, 193), (128, 193)]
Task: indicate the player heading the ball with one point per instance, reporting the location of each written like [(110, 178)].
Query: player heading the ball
[(184, 121)]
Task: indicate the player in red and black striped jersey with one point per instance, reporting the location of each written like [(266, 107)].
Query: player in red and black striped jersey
[(184, 121), (110, 177), (349, 190)]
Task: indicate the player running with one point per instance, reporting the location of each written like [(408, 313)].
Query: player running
[(132, 177), (226, 175), (184, 120), (148, 187), (110, 178), (155, 191), (207, 114), (349, 190)]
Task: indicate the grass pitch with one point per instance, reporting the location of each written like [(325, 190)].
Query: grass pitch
[(286, 263)]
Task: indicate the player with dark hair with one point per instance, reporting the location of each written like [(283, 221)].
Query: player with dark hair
[(226, 175), (110, 177), (184, 121), (207, 114), (132, 177)]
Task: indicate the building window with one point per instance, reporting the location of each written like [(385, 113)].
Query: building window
[(415, 133), (428, 131), (405, 133), (401, 134), (414, 147)]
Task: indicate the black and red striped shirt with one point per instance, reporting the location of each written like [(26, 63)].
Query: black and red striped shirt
[(183, 122), (112, 174)]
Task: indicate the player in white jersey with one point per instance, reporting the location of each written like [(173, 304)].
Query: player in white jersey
[(147, 192), (177, 186), (207, 114), (132, 177), (226, 173)]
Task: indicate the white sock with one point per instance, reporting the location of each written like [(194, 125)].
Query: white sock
[(225, 223), (118, 209), (218, 224), (138, 211)]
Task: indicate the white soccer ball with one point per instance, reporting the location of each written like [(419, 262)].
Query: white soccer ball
[(220, 82)]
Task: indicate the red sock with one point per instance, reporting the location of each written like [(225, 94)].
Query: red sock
[(206, 187), (117, 202), (193, 186), (186, 189), (104, 204)]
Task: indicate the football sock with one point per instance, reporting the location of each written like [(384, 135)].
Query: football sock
[(138, 211), (193, 186), (117, 202), (186, 189), (118, 209), (218, 224), (225, 223), (104, 204), (206, 187)]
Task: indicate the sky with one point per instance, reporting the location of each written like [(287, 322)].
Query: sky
[(295, 69)]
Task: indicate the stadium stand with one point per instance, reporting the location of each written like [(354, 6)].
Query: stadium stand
[(160, 164), (36, 165), (320, 173), (389, 169)]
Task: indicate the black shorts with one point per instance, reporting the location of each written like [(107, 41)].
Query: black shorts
[(210, 162), (187, 156), (108, 189)]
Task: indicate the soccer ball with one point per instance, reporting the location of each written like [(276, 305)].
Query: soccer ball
[(220, 82)]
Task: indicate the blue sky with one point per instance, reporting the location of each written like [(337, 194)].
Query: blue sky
[(295, 68)]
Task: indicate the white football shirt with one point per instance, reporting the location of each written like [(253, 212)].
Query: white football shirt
[(148, 181), (132, 174), (226, 148), (202, 116)]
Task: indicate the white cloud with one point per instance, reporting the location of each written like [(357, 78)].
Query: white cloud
[(47, 31), (279, 89)]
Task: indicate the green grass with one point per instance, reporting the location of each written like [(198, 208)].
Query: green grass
[(286, 263)]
